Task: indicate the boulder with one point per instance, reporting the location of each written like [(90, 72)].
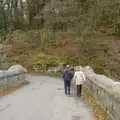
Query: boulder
[(17, 68)]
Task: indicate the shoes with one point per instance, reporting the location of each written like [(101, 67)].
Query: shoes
[(68, 93)]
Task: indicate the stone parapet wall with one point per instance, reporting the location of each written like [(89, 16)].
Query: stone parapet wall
[(105, 90), (14, 75)]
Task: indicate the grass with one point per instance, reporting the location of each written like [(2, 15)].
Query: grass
[(99, 112), (5, 90)]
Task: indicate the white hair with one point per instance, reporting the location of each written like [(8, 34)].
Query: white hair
[(78, 68)]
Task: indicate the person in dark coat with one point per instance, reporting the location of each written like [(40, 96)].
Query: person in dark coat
[(67, 77)]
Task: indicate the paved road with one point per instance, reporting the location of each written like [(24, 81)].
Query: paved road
[(43, 99)]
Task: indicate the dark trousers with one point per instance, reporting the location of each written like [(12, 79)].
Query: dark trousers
[(67, 85), (79, 90)]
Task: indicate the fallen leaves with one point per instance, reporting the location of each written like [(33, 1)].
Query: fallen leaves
[(99, 112), (9, 89)]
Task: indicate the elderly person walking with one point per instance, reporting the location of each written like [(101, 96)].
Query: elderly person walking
[(67, 76), (79, 79)]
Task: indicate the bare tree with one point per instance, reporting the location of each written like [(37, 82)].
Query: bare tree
[(10, 11)]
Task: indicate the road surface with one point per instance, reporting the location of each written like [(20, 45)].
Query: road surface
[(43, 99)]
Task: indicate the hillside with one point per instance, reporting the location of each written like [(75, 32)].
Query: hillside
[(43, 32), (102, 53)]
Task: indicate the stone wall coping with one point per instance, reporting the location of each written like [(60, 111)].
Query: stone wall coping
[(10, 74), (104, 83)]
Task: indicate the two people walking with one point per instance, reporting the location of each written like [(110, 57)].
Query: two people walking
[(76, 76)]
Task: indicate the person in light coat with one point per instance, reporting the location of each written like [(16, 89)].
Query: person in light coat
[(79, 79)]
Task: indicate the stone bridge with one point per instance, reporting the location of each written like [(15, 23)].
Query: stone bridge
[(44, 98)]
